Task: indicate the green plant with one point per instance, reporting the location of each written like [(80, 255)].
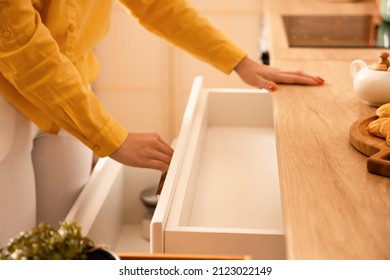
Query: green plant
[(46, 242)]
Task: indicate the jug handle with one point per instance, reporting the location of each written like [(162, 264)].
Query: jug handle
[(356, 66)]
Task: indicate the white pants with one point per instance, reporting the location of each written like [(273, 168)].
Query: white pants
[(41, 175)]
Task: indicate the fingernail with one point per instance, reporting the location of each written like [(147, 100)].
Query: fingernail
[(319, 80), (271, 87)]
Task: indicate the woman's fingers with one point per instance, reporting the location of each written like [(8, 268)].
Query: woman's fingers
[(298, 78), (146, 150), (264, 76)]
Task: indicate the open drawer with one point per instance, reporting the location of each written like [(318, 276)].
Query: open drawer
[(221, 194)]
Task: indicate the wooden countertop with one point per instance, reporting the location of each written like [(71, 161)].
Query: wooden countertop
[(333, 207)]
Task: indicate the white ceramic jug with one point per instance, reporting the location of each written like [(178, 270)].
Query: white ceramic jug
[(384, 10), (372, 83)]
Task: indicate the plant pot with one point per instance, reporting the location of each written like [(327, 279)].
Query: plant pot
[(101, 254)]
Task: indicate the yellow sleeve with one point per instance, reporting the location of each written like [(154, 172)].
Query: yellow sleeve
[(32, 62), (177, 22)]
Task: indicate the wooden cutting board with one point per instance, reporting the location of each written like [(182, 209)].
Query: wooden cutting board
[(374, 147)]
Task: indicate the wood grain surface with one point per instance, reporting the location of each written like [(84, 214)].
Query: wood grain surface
[(332, 207)]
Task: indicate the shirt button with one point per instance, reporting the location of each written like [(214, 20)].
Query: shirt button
[(96, 148), (7, 34), (72, 27)]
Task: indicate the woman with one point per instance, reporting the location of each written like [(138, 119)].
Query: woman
[(50, 120)]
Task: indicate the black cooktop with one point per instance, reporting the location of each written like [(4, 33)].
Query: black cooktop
[(336, 32)]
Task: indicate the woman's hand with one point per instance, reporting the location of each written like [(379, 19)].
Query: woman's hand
[(146, 150), (264, 76)]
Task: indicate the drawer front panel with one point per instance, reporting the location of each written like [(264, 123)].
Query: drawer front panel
[(259, 246)]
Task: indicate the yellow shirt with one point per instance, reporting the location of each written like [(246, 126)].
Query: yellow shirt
[(46, 62)]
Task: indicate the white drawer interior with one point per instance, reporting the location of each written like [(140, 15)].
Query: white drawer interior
[(227, 193)]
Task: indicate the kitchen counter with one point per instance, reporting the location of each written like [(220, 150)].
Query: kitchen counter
[(333, 208)]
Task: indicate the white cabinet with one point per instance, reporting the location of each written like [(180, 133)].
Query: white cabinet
[(106, 208), (221, 194)]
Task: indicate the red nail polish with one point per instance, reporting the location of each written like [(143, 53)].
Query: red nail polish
[(271, 87), (320, 80)]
